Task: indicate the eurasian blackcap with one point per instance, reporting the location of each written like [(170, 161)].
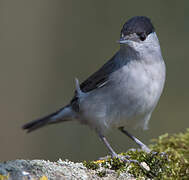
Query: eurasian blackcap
[(123, 92)]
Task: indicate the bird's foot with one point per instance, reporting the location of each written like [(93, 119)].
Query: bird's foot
[(142, 148), (162, 154), (105, 157), (126, 159), (123, 158)]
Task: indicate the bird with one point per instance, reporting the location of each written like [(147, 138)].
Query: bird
[(123, 93)]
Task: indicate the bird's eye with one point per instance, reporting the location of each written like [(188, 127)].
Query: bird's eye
[(142, 36)]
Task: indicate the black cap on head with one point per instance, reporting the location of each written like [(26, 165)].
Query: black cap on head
[(140, 25)]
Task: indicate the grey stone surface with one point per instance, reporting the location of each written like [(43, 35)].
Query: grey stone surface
[(60, 170)]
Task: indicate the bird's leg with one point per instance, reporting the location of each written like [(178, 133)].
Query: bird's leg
[(137, 141), (104, 140), (113, 153)]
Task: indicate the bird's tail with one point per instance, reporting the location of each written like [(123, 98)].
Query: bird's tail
[(62, 115)]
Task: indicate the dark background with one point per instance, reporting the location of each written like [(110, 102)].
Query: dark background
[(45, 44)]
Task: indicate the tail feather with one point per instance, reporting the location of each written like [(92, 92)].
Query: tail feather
[(64, 114)]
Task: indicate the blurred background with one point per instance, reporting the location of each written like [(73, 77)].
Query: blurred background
[(45, 44)]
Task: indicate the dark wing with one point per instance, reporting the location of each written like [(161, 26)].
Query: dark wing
[(96, 80), (99, 78)]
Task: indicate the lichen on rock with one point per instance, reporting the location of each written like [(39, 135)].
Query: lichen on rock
[(169, 159)]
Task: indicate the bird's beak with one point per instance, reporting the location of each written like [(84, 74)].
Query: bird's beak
[(123, 41)]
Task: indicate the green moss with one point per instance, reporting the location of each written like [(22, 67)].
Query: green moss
[(177, 149), (155, 164), (169, 159), (91, 165), (115, 164), (101, 173)]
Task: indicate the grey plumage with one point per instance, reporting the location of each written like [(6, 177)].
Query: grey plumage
[(124, 91)]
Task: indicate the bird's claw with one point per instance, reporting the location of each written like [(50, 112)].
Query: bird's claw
[(124, 158)]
